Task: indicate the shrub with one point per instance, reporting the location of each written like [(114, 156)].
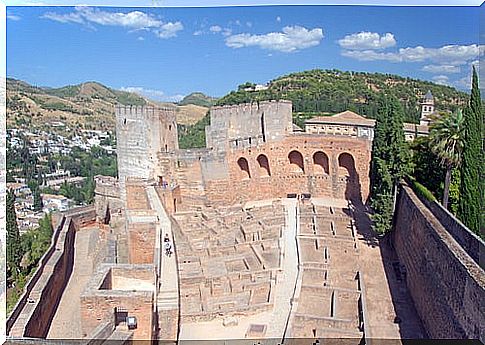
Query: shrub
[(421, 190)]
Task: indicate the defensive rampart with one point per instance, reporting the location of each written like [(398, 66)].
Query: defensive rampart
[(441, 257), (33, 313)]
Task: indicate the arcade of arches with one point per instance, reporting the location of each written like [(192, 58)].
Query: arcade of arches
[(334, 171)]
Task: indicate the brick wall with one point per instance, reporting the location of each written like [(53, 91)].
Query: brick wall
[(338, 178), (97, 309), (446, 284), (141, 239)]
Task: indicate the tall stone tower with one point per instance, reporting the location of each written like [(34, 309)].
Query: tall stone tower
[(427, 108), (250, 124), (143, 132)]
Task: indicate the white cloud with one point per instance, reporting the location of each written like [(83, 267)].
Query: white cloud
[(293, 38), (450, 54), (441, 79), (226, 32), (215, 28), (156, 95), (249, 24), (367, 40), (169, 30), (278, 19), (12, 16), (140, 38), (466, 82), (135, 20), (441, 69), (73, 17)]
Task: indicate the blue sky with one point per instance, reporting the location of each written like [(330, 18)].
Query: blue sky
[(165, 53)]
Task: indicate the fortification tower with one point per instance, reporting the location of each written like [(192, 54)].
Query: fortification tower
[(143, 132), (248, 125), (427, 108)]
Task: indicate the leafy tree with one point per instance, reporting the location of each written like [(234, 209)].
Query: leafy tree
[(193, 136), (35, 242), (455, 190), (446, 142), (390, 161), (472, 187), (426, 169), (14, 253)]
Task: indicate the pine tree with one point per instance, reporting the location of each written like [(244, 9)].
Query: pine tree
[(390, 161), (14, 253), (471, 187)]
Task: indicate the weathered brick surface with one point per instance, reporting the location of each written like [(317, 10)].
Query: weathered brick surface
[(340, 182), (96, 309), (447, 286), (100, 300), (107, 197), (141, 237)]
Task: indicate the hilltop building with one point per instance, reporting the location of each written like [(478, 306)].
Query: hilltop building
[(427, 108)]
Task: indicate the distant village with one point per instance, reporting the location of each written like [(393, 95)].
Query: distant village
[(41, 143)]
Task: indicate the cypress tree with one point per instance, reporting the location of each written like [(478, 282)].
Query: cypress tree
[(390, 157), (472, 187), (14, 254)]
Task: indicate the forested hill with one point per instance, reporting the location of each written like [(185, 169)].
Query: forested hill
[(332, 91)]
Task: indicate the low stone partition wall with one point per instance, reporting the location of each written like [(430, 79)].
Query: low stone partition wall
[(445, 281), (33, 313), (124, 289), (106, 196)]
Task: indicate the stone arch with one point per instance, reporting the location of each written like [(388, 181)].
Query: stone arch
[(244, 168), (346, 168), (320, 163), (296, 161), (346, 165), (263, 162)]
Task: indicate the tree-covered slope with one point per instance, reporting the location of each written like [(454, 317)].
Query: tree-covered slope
[(334, 91)]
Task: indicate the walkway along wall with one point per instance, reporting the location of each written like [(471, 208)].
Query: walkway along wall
[(443, 273), (33, 313)]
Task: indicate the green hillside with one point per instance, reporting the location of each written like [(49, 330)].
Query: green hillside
[(326, 92), (333, 91)]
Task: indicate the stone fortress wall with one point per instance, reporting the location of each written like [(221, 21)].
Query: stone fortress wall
[(33, 313), (142, 133), (251, 152), (445, 278), (228, 257)]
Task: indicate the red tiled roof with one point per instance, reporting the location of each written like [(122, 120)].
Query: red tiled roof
[(346, 118)]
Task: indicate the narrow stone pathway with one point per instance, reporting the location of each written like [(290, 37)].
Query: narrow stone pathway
[(66, 323), (285, 286), (168, 290)]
